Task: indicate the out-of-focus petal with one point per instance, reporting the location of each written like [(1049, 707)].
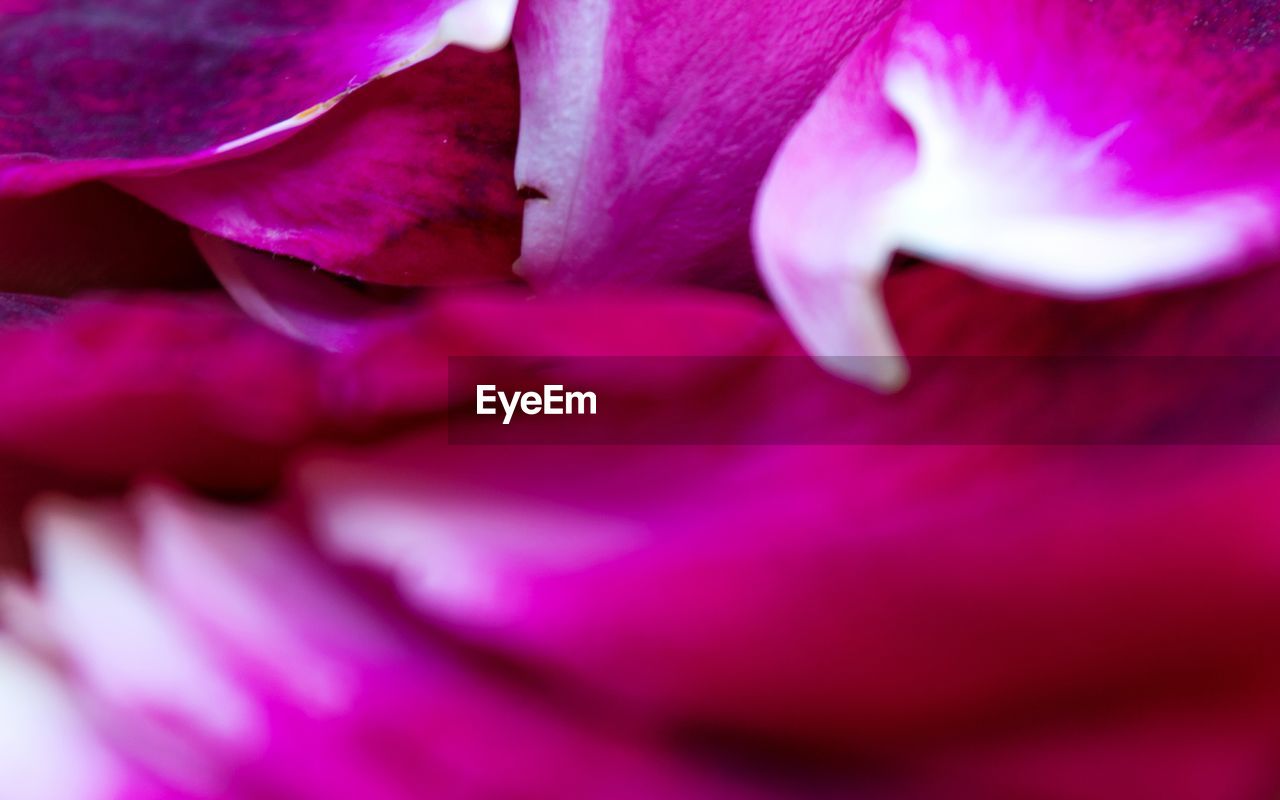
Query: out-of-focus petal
[(763, 600), (189, 388), (1222, 747), (93, 237), (90, 92), (47, 747), (111, 388), (403, 372), (846, 618), (806, 595), (1082, 148), (407, 182), (238, 663), (646, 127)]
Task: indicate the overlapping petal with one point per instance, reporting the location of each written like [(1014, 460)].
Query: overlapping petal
[(407, 182), (92, 90), (1084, 148), (647, 126), (1079, 590), (298, 300)]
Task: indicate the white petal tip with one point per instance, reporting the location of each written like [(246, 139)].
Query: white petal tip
[(483, 25), (843, 323)]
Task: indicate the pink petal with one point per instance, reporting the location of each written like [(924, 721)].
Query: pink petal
[(941, 614), (116, 387), (408, 182), (647, 127), (1083, 148), (1196, 751), (857, 623), (90, 93), (189, 388), (44, 733), (403, 373), (860, 600), (240, 664)]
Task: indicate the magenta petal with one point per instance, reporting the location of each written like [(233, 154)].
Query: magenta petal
[(45, 731), (407, 182), (1197, 751), (90, 92), (647, 127), (1083, 148), (239, 663), (807, 595), (189, 388), (832, 610)]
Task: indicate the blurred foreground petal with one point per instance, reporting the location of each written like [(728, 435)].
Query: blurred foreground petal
[(238, 663), (182, 387), (806, 599), (792, 611)]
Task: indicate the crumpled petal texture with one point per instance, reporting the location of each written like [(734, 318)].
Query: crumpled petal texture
[(92, 89), (647, 126), (1084, 148), (407, 182)]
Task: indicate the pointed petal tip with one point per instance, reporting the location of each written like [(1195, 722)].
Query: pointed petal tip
[(839, 318), (883, 374), (849, 332)]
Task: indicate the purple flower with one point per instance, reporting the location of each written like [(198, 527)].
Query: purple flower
[(257, 258)]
